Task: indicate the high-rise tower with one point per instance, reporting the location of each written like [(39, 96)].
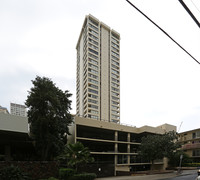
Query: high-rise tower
[(98, 72)]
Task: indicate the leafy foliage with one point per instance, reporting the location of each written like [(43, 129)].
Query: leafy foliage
[(51, 178), (84, 176), (174, 159), (13, 173), (158, 146), (76, 154), (49, 117), (64, 173)]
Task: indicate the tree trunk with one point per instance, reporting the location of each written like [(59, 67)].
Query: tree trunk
[(152, 166)]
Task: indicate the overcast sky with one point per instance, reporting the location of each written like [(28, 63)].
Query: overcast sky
[(160, 83)]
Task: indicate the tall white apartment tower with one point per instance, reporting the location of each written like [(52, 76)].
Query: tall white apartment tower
[(18, 109), (98, 72)]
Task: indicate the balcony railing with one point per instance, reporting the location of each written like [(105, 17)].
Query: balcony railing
[(191, 146)]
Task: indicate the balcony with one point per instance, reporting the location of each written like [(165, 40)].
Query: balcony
[(191, 146)]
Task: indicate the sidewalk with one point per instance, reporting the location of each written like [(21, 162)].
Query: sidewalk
[(150, 177)]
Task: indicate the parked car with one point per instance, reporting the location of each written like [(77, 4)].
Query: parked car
[(198, 171)]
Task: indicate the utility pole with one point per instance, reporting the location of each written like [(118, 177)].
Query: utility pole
[(181, 156)]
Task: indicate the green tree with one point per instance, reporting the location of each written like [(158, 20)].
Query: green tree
[(49, 117), (158, 146), (174, 159), (76, 155)]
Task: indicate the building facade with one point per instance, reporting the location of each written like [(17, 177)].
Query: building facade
[(190, 141), (115, 147), (3, 110), (98, 72), (18, 109)]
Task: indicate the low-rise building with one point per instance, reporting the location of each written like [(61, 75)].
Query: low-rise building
[(114, 146), (14, 138), (190, 141), (3, 110)]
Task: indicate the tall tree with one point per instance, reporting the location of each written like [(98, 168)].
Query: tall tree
[(158, 146), (49, 117)]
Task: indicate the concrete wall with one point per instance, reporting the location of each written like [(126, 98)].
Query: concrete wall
[(13, 123), (105, 61)]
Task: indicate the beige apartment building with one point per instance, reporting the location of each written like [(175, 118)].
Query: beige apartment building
[(98, 71), (97, 125), (190, 141), (115, 147)]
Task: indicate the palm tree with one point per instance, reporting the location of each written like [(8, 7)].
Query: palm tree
[(76, 154)]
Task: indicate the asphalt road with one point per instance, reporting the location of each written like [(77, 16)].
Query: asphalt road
[(185, 177)]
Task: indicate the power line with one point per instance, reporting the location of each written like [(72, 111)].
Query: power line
[(163, 31), (195, 5), (190, 13)]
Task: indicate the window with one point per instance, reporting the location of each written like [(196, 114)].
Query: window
[(93, 81), (114, 53), (94, 37), (114, 40), (115, 45), (93, 51), (93, 46), (116, 67), (93, 111), (93, 91), (92, 116), (93, 86), (115, 121), (115, 85), (115, 80), (93, 66), (92, 56), (115, 89), (92, 96), (93, 32), (93, 76), (115, 49), (116, 103), (114, 71), (92, 41), (115, 98), (115, 107), (93, 22), (115, 58), (114, 75), (93, 106), (115, 63), (93, 61), (196, 152), (115, 112), (115, 94), (92, 71), (92, 101), (122, 159), (115, 117), (197, 134), (93, 27)]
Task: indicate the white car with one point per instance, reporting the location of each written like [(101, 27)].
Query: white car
[(198, 178)]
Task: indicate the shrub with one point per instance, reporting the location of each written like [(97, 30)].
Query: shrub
[(13, 173), (52, 178), (84, 176), (64, 173), (191, 164)]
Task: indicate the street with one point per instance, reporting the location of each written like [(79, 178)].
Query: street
[(185, 177)]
